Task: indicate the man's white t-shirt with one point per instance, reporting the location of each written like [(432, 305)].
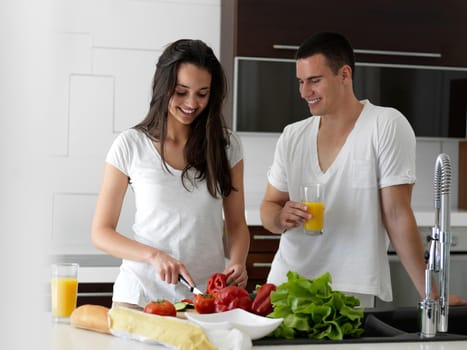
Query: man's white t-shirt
[(378, 152), (186, 224)]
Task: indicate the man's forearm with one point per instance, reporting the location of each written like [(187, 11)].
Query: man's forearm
[(270, 213)]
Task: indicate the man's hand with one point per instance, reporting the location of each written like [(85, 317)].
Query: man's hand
[(455, 300)]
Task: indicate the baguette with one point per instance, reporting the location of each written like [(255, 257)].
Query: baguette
[(91, 317)]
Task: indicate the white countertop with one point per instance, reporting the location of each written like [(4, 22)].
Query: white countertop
[(63, 336)]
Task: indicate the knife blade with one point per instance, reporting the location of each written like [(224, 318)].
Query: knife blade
[(192, 289)]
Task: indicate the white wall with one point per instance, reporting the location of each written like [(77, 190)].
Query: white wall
[(103, 56)]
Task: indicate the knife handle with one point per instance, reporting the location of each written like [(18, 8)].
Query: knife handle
[(192, 289), (185, 282)]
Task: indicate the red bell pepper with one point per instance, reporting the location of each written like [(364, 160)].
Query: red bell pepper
[(216, 281), (232, 297), (262, 302)]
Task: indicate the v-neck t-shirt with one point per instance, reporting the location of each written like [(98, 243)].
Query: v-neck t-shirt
[(378, 152), (186, 224)]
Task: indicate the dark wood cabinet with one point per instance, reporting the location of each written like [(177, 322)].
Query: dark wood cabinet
[(263, 246), (428, 32), (462, 175), (95, 294)]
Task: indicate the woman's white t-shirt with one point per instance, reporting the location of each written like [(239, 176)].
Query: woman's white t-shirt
[(378, 152), (186, 224)]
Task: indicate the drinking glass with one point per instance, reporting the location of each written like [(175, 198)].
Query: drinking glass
[(313, 198)]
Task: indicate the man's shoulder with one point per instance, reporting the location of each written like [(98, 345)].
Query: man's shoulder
[(381, 111), (299, 125)]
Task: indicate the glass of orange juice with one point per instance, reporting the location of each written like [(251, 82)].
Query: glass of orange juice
[(313, 198), (64, 290)]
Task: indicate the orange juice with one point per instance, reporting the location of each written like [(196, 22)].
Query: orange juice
[(316, 222), (64, 291)]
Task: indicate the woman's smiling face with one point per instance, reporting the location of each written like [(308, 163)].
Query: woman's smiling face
[(191, 95)]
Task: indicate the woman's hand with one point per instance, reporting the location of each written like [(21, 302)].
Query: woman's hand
[(236, 275), (169, 268)]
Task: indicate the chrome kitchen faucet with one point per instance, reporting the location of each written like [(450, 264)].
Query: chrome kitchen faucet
[(434, 315)]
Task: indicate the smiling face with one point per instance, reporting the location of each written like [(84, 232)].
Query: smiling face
[(318, 85), (191, 95)]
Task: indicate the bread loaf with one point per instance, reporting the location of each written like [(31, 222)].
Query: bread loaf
[(91, 317)]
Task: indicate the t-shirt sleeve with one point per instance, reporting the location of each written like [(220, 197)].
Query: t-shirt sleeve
[(118, 154), (234, 150), (277, 173), (397, 153)]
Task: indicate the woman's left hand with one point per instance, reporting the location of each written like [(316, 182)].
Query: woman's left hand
[(236, 275)]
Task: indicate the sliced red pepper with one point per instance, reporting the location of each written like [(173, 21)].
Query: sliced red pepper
[(232, 297), (262, 302), (216, 281)]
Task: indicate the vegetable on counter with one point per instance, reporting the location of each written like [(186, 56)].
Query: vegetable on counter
[(161, 308), (262, 302), (311, 308), (183, 305), (204, 303), (216, 282), (232, 297)]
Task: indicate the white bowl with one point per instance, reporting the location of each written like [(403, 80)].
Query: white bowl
[(253, 325)]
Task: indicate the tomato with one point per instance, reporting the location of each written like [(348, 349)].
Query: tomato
[(204, 303), (160, 307), (232, 297), (262, 302), (216, 281)]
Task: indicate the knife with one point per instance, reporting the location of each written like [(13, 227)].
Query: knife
[(192, 289)]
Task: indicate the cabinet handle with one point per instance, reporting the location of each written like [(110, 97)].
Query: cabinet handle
[(261, 264), (285, 47), (373, 52), (264, 237), (399, 53)]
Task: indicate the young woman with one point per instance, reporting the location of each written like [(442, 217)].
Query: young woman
[(186, 171)]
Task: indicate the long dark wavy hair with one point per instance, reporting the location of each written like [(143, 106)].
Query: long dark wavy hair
[(205, 149)]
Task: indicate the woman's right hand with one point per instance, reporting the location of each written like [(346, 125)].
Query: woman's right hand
[(169, 268)]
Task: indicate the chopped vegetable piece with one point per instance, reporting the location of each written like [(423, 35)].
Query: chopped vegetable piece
[(216, 281)]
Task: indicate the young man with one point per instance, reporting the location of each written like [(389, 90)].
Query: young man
[(365, 157)]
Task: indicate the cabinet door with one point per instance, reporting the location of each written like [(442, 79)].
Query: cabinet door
[(263, 246), (393, 31), (95, 293)]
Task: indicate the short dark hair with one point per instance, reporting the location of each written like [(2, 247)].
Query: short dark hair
[(335, 47)]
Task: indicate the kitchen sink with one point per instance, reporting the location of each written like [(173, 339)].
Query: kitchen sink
[(395, 325), (406, 320)]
